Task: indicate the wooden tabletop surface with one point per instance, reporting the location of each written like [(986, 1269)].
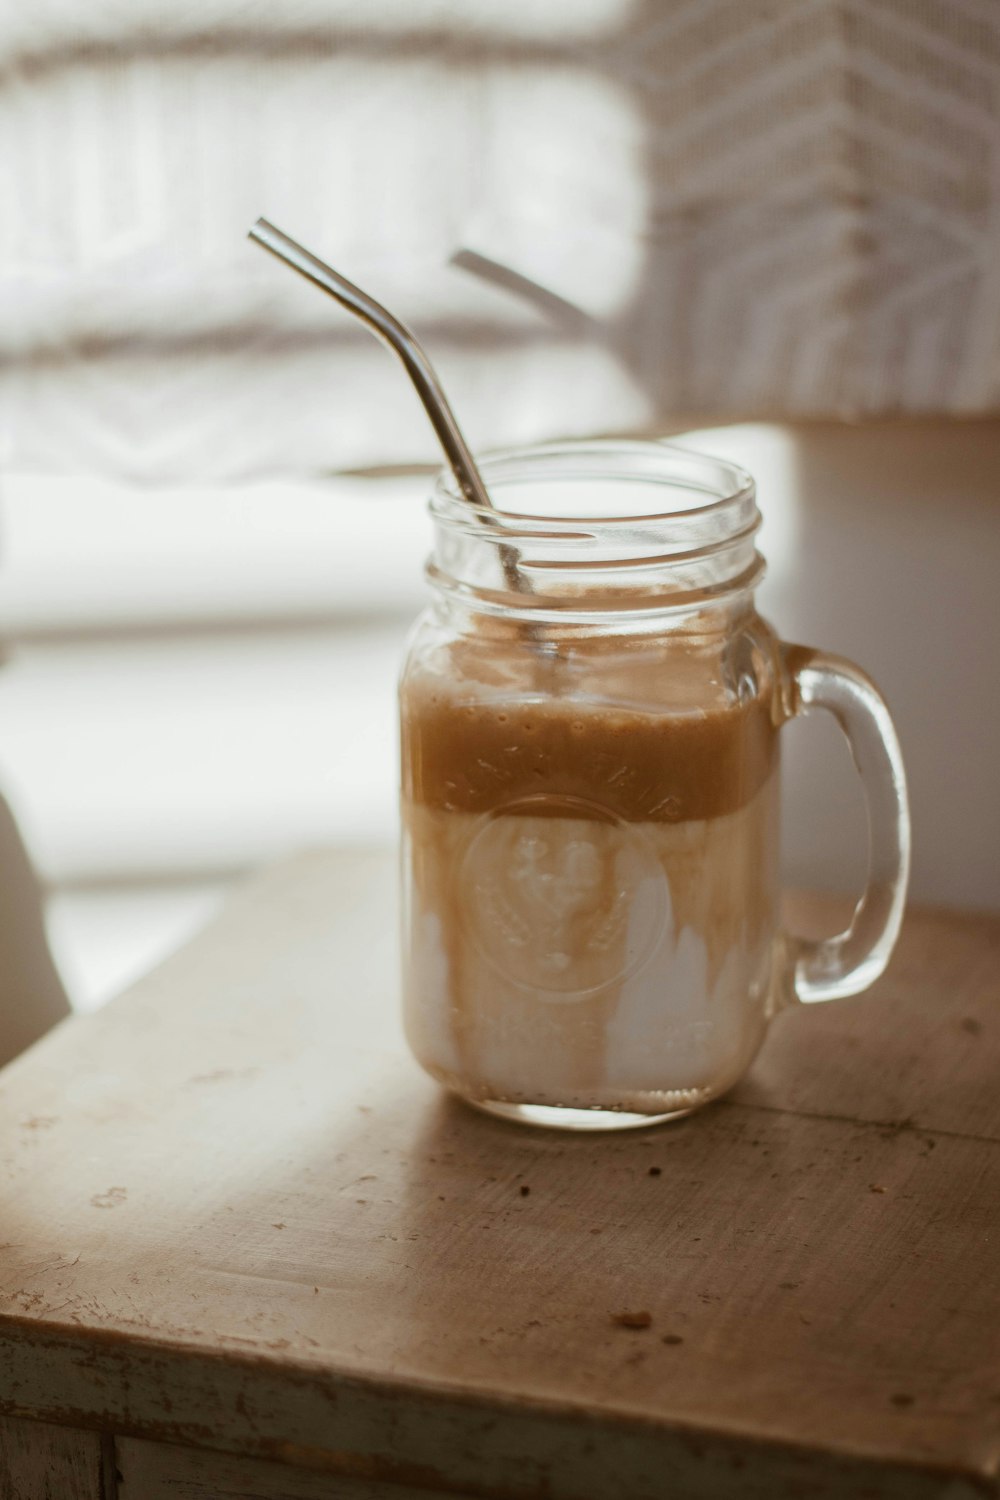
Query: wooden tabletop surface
[(234, 1214)]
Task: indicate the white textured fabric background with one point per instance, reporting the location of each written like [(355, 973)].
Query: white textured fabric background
[(747, 208)]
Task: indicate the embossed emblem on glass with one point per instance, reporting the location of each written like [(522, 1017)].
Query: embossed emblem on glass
[(562, 896)]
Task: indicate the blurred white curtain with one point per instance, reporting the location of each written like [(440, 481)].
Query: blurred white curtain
[(740, 208)]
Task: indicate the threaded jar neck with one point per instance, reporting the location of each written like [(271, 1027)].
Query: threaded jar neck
[(588, 531)]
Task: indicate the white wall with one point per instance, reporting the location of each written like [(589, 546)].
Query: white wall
[(897, 564)]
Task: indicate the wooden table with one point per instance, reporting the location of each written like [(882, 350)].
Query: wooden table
[(247, 1249)]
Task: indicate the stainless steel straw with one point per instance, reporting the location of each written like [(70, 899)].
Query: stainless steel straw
[(399, 338)]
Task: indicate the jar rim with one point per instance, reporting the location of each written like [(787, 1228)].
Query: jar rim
[(661, 462), (538, 564)]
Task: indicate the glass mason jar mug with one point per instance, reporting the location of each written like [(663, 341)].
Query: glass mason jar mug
[(591, 709)]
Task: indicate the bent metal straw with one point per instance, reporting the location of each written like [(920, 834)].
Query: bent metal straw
[(419, 368)]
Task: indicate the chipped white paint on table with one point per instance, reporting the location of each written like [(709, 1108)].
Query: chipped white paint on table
[(247, 1249)]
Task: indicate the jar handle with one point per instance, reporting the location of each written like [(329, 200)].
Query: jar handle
[(848, 963)]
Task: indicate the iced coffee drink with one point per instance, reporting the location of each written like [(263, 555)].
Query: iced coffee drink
[(591, 708), (593, 874)]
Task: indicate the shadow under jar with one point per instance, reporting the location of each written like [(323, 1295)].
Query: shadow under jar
[(591, 709)]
